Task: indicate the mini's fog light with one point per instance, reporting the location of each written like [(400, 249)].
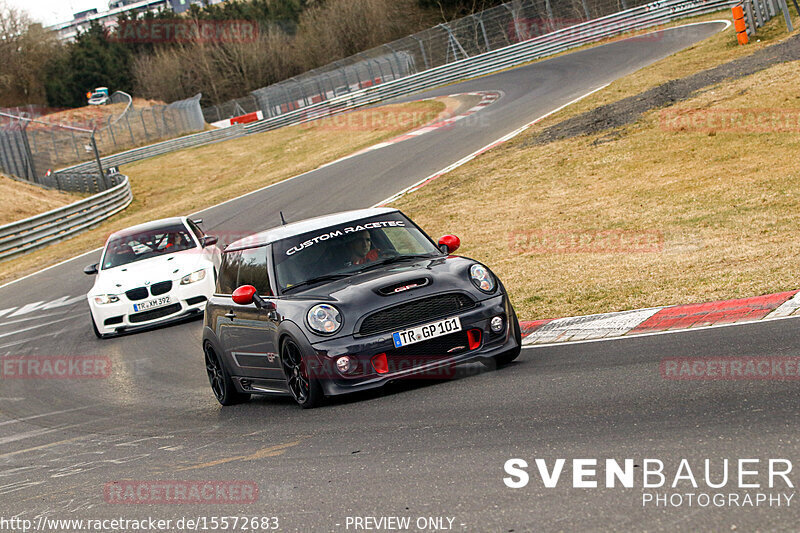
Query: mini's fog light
[(497, 324), (343, 364)]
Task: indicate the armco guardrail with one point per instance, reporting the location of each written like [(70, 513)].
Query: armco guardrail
[(551, 43), (38, 231), (144, 152)]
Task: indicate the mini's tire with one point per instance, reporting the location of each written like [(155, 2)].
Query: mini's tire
[(221, 383)]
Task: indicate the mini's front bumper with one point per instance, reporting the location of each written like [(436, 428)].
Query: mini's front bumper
[(185, 300), (418, 363)]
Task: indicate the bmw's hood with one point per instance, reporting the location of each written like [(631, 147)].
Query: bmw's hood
[(148, 271)]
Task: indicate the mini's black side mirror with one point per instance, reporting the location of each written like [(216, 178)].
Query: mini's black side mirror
[(209, 240), (261, 303), (91, 270)]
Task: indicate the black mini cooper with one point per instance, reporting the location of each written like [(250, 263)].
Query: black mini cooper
[(348, 302)]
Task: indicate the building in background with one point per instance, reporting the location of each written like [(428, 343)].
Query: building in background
[(81, 21)]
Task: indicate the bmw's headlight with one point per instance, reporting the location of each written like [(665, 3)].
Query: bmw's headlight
[(193, 277), (324, 319), (482, 278), (106, 299)]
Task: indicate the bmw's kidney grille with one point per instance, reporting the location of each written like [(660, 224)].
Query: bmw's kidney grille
[(415, 312), (139, 293), (161, 288), (157, 289)]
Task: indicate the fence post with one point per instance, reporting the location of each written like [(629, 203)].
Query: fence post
[(144, 126), (28, 153), (99, 162), (422, 50)]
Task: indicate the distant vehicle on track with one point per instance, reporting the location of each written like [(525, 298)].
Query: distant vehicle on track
[(99, 96), (349, 302), (152, 273)]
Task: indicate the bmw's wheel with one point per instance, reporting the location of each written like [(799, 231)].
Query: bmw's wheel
[(305, 389), (221, 383)]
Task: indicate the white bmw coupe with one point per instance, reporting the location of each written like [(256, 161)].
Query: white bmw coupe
[(152, 273)]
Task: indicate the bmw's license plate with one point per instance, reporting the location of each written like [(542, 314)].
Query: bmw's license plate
[(428, 331), (151, 304)]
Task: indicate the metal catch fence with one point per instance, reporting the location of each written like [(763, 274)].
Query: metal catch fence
[(32, 146)]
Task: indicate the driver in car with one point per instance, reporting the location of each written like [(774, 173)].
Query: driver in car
[(360, 248)]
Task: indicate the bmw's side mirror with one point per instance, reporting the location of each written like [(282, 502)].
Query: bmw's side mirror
[(91, 270), (449, 244), (247, 294), (209, 240)]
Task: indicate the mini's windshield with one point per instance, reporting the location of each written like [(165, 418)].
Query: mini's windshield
[(347, 248), (136, 246)]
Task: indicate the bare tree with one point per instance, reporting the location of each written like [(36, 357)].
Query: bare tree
[(24, 48)]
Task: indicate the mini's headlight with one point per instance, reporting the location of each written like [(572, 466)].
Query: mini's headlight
[(193, 277), (106, 299), (482, 278), (324, 318)]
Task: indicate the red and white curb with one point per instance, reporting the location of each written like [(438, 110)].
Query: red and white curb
[(660, 319), (487, 98)]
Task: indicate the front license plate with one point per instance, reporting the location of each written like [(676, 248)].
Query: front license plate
[(151, 304), (428, 331)]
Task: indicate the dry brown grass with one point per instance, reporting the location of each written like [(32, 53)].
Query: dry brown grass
[(726, 204), (187, 181), (19, 200)]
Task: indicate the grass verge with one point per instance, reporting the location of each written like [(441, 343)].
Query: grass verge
[(190, 180), (20, 200), (664, 211)]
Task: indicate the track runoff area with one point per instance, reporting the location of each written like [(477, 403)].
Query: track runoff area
[(579, 435)]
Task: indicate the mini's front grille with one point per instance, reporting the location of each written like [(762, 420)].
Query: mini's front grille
[(154, 313), (415, 312), (161, 288), (139, 293)]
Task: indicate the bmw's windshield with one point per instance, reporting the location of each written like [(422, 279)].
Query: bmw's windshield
[(348, 248), (128, 247)]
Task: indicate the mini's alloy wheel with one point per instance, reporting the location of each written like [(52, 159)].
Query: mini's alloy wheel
[(304, 389), (221, 383)]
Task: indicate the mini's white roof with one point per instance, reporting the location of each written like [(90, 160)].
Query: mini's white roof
[(303, 226)]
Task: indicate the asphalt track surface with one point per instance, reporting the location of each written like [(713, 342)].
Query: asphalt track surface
[(422, 448)]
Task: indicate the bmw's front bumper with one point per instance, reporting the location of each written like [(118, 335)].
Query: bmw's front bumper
[(186, 300), (419, 364)]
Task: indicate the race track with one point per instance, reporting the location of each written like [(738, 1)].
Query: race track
[(423, 448)]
